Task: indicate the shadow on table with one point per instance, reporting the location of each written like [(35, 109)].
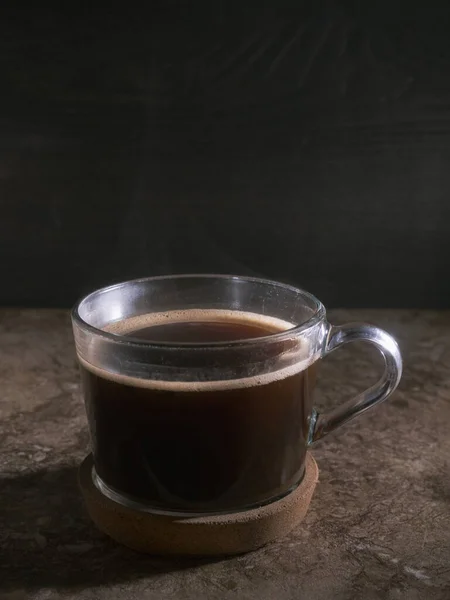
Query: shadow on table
[(47, 539)]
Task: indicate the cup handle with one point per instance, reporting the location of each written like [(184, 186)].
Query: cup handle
[(321, 424)]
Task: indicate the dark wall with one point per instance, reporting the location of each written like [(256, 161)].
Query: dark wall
[(304, 141)]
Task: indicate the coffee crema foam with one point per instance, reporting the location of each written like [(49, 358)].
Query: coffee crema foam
[(126, 327), (211, 315)]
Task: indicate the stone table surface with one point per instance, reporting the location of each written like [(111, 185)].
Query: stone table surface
[(379, 522)]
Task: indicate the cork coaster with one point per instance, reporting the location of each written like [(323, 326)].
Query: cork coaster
[(232, 533)]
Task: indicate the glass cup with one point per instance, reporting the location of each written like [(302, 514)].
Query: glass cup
[(213, 426)]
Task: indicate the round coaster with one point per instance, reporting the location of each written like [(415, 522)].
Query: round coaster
[(231, 533)]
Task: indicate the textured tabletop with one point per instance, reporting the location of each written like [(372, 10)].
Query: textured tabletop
[(379, 522)]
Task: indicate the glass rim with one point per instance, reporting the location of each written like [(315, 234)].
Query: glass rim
[(316, 317)]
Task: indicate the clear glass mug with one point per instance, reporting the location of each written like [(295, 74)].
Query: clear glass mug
[(216, 426)]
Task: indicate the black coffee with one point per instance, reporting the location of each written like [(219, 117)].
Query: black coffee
[(202, 332), (200, 450)]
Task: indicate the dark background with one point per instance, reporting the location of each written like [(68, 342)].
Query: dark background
[(303, 141)]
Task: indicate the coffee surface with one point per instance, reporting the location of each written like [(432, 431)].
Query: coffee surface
[(202, 332), (205, 450)]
